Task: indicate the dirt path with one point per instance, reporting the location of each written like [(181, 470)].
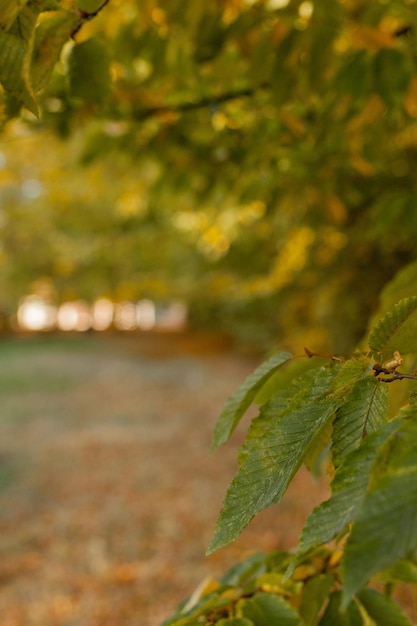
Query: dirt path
[(109, 495)]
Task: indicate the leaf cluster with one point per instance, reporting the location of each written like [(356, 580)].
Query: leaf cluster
[(367, 529)]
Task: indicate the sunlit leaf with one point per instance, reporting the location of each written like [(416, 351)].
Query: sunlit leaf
[(50, 37)]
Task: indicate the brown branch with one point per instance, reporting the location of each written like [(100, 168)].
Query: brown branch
[(310, 354), (392, 375), (208, 101), (85, 16)]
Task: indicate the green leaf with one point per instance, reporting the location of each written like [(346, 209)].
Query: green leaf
[(351, 372), (89, 71), (401, 572), (364, 411), (265, 609), (275, 448), (313, 596), (396, 330), (25, 21), (385, 530), (348, 492), (50, 36), (238, 403), (9, 10), (383, 610), (13, 57), (335, 615)]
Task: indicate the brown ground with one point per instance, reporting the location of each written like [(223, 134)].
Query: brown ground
[(111, 495)]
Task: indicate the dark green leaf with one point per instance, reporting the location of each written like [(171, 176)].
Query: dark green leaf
[(13, 52), (336, 616), (314, 594), (275, 448), (385, 530), (237, 404), (265, 609), (89, 71), (363, 412), (348, 492), (383, 610)]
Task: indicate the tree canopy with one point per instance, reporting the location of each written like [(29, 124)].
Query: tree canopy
[(255, 157)]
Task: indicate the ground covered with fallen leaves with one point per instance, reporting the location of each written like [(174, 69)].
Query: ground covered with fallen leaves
[(108, 492)]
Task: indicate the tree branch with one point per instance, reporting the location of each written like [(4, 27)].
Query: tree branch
[(86, 17), (208, 101)]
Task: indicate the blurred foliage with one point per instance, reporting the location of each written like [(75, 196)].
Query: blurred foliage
[(254, 157)]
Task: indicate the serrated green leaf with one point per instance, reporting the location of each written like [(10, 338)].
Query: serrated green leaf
[(335, 615), (365, 409), (385, 530), (383, 610), (265, 609), (89, 71), (239, 402), (275, 448), (396, 330), (351, 372), (50, 36), (286, 377), (349, 487), (13, 57), (313, 596)]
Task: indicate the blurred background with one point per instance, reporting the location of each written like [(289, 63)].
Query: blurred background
[(185, 187)]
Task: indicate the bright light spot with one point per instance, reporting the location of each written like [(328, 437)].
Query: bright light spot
[(35, 314), (272, 5), (145, 314), (125, 316), (305, 10), (74, 316), (102, 314), (54, 105), (31, 189)]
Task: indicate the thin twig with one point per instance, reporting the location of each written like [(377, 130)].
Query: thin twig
[(85, 16)]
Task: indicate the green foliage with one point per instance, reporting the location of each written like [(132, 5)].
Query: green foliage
[(365, 531), (237, 404), (268, 151)]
